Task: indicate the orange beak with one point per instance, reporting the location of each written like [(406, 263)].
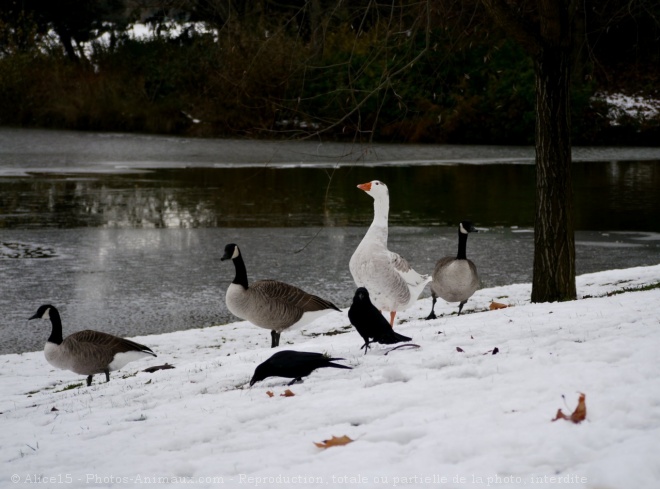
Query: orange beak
[(365, 186)]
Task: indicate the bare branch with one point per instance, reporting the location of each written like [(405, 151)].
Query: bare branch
[(519, 27)]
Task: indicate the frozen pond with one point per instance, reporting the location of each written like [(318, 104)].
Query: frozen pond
[(124, 233)]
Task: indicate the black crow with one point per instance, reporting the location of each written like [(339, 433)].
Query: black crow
[(293, 364), (370, 323)]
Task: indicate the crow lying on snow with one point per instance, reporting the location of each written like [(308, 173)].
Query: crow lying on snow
[(293, 364)]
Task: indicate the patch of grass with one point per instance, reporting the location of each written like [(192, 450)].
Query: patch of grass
[(640, 288), (333, 332), (624, 290), (69, 387)]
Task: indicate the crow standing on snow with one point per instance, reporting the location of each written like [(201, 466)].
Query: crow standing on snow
[(370, 323), (293, 364)]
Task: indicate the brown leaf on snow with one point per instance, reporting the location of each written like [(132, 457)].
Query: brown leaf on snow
[(497, 305), (459, 349), (286, 393), (334, 442), (578, 415)]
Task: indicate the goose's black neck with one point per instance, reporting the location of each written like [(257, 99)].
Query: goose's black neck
[(241, 273), (462, 245), (56, 322)]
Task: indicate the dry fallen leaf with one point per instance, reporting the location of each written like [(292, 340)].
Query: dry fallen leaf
[(497, 305), (270, 393), (287, 393), (578, 415), (334, 442), (459, 349)]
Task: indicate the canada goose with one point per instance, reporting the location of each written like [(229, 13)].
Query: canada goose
[(270, 304), (370, 323), (455, 278), (293, 365), (87, 352), (392, 283)]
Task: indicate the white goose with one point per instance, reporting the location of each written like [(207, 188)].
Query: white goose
[(392, 284)]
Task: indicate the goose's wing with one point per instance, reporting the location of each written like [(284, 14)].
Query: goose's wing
[(115, 344), (403, 268), (475, 275), (278, 292), (91, 350)]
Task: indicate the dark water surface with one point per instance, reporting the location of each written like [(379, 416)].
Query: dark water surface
[(124, 233), (608, 196)]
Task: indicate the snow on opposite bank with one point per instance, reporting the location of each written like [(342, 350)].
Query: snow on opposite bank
[(431, 417), (635, 106)]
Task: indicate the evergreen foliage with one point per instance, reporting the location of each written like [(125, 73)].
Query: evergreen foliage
[(260, 69)]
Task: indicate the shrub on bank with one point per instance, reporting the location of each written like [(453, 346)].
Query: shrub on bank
[(261, 82)]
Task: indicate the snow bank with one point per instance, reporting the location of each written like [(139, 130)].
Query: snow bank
[(634, 106), (430, 417)]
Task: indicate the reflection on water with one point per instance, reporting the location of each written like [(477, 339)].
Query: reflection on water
[(608, 196)]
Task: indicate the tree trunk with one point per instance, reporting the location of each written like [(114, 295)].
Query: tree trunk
[(554, 240), (546, 30)]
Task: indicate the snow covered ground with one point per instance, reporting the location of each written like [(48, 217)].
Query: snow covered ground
[(635, 106), (427, 417)]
